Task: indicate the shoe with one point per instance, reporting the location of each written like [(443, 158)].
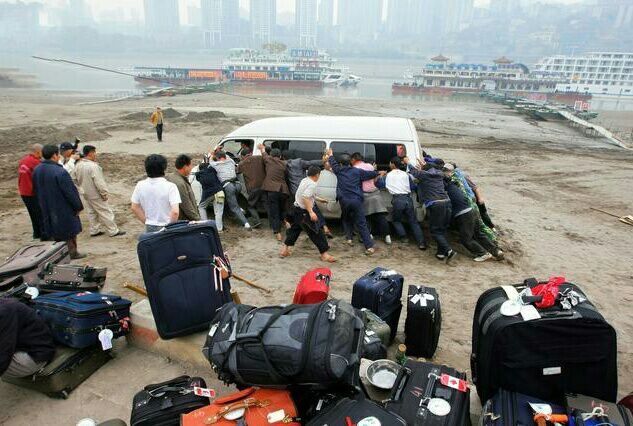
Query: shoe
[(388, 240), (440, 256), (483, 257), (422, 247), (370, 251), (97, 234), (450, 256), (500, 255), (77, 256), (256, 225), (248, 227), (350, 242), (118, 234)]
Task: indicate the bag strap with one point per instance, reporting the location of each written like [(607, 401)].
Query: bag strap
[(245, 404), (511, 292)]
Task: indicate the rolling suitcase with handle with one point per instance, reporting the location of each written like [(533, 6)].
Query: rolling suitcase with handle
[(424, 321), (55, 277), (380, 291), (179, 266), (508, 408), (26, 263)]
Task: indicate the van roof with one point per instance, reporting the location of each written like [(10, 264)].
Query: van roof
[(328, 128)]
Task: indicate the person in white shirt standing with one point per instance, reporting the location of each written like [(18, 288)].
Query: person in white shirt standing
[(398, 183), (155, 200), (68, 157), (304, 218)]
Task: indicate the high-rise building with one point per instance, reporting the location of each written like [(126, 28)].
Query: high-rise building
[(220, 22), (399, 17), (306, 22), (19, 19), (326, 13), (161, 16), (78, 14), (435, 18), (359, 18), (263, 21)]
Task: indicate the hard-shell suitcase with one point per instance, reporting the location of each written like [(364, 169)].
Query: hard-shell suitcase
[(54, 277), (508, 408), (260, 407), (179, 269), (65, 372), (75, 319), (277, 346), (380, 291), (588, 411), (559, 351), (424, 321), (25, 263), (348, 410), (162, 404), (423, 390), (313, 287)]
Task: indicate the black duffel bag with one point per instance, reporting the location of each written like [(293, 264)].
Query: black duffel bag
[(278, 346)]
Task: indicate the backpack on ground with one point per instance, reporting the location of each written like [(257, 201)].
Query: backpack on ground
[(424, 321), (317, 345), (314, 287)]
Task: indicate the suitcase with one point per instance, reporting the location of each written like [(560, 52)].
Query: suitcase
[(508, 408), (424, 321), (54, 277), (260, 407), (580, 406), (25, 264), (380, 291), (277, 346), (376, 337), (65, 372), (564, 350), (313, 287), (179, 274), (359, 412), (421, 388), (76, 319), (162, 404)]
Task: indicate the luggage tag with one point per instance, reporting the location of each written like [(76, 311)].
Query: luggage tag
[(209, 393), (32, 291), (454, 383), (105, 337), (422, 299), (276, 416), (540, 408)]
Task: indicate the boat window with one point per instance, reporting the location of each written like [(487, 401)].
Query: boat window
[(233, 147), (307, 150)]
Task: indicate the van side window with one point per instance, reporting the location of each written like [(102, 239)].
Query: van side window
[(367, 150), (379, 153), (307, 150), (233, 147)]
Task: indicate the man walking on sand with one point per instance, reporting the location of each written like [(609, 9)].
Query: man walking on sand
[(90, 179), (25, 187), (59, 201), (157, 121)]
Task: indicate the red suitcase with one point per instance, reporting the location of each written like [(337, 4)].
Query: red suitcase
[(313, 287)]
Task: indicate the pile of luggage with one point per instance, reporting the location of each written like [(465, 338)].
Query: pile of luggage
[(83, 322)]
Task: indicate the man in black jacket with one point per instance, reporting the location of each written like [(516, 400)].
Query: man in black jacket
[(26, 343)]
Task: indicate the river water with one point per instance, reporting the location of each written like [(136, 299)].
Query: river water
[(377, 74)]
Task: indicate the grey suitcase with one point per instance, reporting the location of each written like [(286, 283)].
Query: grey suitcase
[(26, 263), (54, 277)]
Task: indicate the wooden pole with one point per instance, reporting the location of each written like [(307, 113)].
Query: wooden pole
[(252, 284), (135, 288)]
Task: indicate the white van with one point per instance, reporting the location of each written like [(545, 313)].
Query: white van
[(378, 139)]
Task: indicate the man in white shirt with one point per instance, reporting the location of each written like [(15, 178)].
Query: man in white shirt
[(68, 158), (155, 200), (304, 218), (398, 183)]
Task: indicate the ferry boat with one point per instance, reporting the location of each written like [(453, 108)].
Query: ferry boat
[(597, 73), (163, 77), (503, 76)]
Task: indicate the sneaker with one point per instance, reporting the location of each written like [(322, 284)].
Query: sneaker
[(248, 227), (422, 247), (500, 255), (450, 256), (483, 257), (370, 251), (350, 242), (118, 234), (98, 234), (388, 240), (440, 256)]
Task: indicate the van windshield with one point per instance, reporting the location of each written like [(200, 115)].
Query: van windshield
[(307, 150)]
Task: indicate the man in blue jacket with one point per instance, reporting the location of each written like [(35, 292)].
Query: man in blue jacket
[(349, 194), (59, 200)]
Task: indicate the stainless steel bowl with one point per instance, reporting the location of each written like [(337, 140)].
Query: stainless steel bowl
[(382, 373)]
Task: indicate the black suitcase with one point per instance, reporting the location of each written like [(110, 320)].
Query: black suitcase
[(424, 321), (565, 350), (356, 410), (53, 277), (417, 389), (65, 372), (182, 284), (161, 404), (380, 291), (25, 263), (508, 408)]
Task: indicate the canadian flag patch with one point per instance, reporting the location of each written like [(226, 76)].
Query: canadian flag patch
[(454, 382), (209, 393)]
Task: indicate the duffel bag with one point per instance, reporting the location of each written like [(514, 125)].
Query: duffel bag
[(277, 346)]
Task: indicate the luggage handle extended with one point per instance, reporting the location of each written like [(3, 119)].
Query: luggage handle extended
[(167, 382)]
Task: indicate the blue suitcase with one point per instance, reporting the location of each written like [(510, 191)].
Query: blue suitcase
[(76, 319), (380, 291), (507, 408), (182, 283)]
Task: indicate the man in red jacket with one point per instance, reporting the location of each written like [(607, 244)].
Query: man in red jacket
[(25, 187)]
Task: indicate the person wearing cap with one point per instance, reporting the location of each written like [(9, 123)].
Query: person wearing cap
[(25, 187), (349, 194), (94, 189), (59, 201), (157, 121), (68, 158), (275, 187)]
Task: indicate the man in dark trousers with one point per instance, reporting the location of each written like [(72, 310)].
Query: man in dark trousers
[(26, 343), (25, 187), (432, 194), (252, 169), (59, 201), (349, 194), (276, 188)]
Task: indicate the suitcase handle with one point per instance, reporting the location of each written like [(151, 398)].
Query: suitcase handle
[(179, 379)]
